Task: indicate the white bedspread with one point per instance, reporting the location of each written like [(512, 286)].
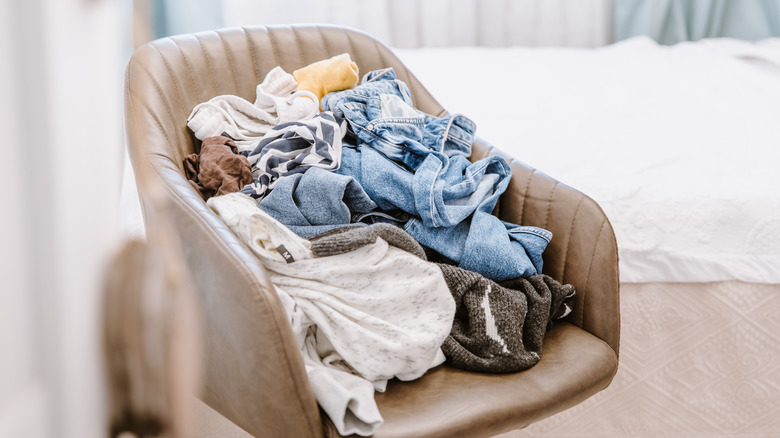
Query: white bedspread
[(679, 145)]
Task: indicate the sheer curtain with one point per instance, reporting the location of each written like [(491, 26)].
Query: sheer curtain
[(672, 21), (438, 23), (173, 17)]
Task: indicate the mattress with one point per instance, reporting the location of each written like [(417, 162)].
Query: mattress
[(680, 145)]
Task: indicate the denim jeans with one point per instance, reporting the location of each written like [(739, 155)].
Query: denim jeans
[(450, 201)]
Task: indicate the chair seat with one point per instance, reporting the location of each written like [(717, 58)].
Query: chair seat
[(448, 402)]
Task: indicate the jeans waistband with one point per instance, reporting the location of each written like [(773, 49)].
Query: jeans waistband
[(454, 135)]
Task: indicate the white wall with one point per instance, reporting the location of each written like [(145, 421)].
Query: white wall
[(61, 118)]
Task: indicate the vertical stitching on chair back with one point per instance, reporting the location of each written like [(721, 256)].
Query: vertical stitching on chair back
[(525, 193), (209, 63), (324, 41), (189, 70), (351, 50), (157, 121), (569, 239), (231, 63), (297, 39), (549, 203), (274, 50), (173, 77), (168, 109), (252, 55), (590, 270)]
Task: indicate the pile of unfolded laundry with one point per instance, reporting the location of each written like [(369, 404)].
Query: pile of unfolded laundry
[(376, 231)]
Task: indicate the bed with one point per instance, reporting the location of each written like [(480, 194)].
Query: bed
[(680, 145)]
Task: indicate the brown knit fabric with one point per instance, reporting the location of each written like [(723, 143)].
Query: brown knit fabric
[(218, 169)]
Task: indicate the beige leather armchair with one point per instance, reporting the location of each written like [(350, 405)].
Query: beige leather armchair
[(254, 374)]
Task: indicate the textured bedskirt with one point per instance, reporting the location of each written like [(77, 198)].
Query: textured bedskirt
[(696, 360)]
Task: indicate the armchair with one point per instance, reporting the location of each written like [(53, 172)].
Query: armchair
[(253, 371)]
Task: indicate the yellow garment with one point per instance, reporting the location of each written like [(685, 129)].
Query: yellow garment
[(322, 77)]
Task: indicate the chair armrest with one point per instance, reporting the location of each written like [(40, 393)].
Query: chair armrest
[(253, 373), (583, 251)]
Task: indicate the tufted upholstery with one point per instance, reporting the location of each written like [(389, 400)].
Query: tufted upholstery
[(254, 374)]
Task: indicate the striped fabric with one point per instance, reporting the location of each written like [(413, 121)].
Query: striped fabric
[(294, 147)]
